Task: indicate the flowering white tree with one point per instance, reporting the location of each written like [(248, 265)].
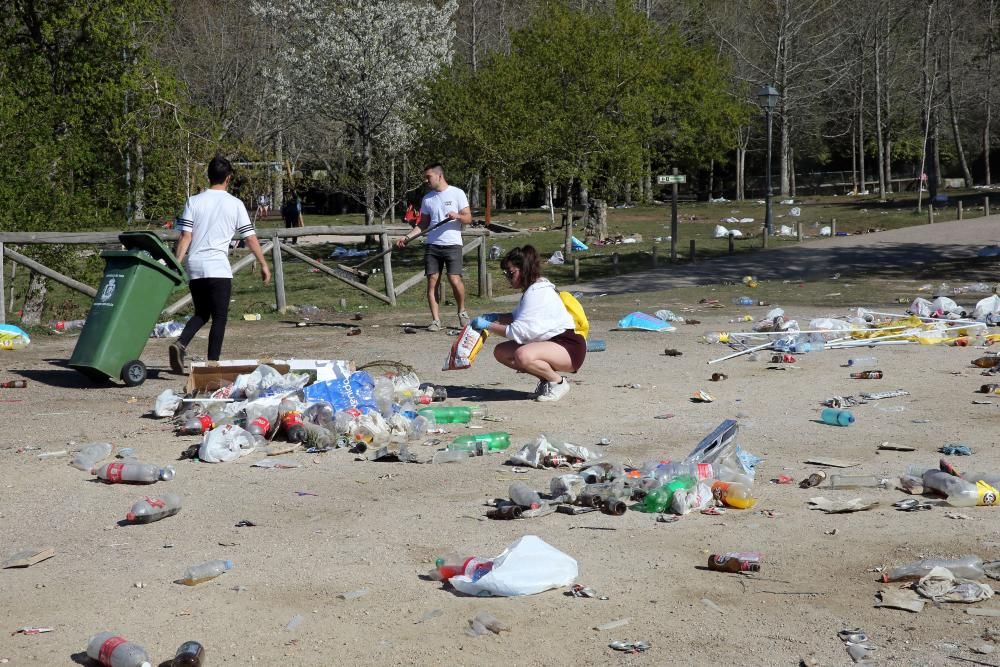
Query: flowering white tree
[(360, 65)]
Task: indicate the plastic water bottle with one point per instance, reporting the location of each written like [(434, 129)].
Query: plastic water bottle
[(135, 473), (525, 496), (60, 326), (836, 417), (862, 361), (596, 346), (453, 414), (321, 412), (743, 301), (967, 567), (857, 482), (450, 456), (151, 509), (197, 574), (190, 654), (486, 442), (91, 455), (733, 494), (660, 499), (960, 492), (196, 425), (385, 394), (318, 436), (452, 565), (291, 420), (112, 650)]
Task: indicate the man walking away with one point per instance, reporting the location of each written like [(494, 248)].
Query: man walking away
[(443, 210), (209, 221)]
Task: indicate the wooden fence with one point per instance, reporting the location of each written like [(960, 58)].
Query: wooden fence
[(274, 241)]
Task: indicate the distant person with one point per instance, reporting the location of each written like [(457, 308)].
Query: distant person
[(263, 206), (207, 225), (291, 213), (443, 212), (543, 340)]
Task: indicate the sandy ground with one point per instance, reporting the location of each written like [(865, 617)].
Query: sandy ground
[(378, 526)]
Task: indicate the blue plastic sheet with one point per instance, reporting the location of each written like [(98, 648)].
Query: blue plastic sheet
[(643, 322)]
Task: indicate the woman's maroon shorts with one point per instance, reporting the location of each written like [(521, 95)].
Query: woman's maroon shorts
[(575, 345)]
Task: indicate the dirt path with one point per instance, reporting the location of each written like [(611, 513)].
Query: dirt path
[(880, 253), (378, 526)]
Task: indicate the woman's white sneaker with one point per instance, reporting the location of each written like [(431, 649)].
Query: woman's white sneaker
[(554, 391)]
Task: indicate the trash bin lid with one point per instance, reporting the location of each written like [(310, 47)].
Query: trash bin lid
[(152, 244)]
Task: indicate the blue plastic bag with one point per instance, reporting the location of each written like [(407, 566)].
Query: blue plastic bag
[(355, 391), (578, 244)]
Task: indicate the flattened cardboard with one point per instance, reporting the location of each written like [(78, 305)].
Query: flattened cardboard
[(29, 557)]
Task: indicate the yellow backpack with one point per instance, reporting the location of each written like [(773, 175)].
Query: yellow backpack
[(580, 323)]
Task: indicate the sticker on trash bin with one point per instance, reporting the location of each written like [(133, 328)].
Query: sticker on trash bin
[(108, 290)]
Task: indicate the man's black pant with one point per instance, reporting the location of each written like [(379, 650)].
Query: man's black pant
[(211, 301)]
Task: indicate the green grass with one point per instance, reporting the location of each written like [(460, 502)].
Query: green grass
[(305, 286)]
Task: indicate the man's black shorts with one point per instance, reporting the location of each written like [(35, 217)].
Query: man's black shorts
[(450, 256)]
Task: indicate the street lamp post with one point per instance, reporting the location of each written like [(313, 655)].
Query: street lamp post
[(767, 96)]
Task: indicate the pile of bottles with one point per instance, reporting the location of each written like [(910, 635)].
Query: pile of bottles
[(398, 412), (711, 475)]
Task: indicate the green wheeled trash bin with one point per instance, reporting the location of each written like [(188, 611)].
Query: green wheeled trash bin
[(134, 290)]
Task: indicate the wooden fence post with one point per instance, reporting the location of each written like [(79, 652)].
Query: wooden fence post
[(576, 269), (3, 310), (390, 286), (732, 244), (930, 214), (483, 270), (960, 216), (763, 238), (279, 276), (986, 205), (798, 231), (655, 247), (833, 227), (614, 262), (692, 251)]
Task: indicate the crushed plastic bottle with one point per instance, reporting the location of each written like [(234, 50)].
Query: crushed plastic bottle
[(197, 574), (112, 650), (487, 442), (91, 455), (133, 472), (967, 567), (523, 495), (151, 509), (452, 565)]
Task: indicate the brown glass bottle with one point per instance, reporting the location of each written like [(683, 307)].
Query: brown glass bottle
[(867, 375), (987, 362), (735, 562), (190, 654)]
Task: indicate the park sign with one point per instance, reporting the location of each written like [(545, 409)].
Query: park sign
[(669, 179)]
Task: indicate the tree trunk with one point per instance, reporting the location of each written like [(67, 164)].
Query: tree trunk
[(647, 180), (882, 183), (34, 303), (791, 172), (474, 199), (854, 162), (550, 201), (711, 179), (956, 133), (567, 238), (140, 184), (597, 220), (987, 94), (278, 175), (861, 132), (786, 151), (741, 160)]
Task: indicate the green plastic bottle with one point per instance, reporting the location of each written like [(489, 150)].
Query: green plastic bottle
[(453, 414), (658, 500), (494, 442)]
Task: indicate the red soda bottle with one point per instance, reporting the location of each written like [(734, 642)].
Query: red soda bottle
[(196, 425)]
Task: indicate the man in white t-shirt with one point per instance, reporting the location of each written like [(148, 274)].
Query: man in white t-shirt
[(443, 212), (209, 221)]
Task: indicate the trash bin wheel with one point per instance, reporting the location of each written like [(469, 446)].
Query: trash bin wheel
[(134, 373)]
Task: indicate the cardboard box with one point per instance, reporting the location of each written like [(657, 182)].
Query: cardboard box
[(212, 375)]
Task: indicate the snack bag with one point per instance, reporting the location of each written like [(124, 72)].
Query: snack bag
[(465, 349)]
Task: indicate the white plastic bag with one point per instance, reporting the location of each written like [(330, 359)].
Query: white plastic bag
[(166, 403), (226, 443), (825, 230), (557, 258), (526, 567), (921, 307), (986, 307), (795, 211), (720, 232)]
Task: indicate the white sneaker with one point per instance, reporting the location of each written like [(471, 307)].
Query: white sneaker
[(434, 326), (463, 319), (554, 391), (540, 388)]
